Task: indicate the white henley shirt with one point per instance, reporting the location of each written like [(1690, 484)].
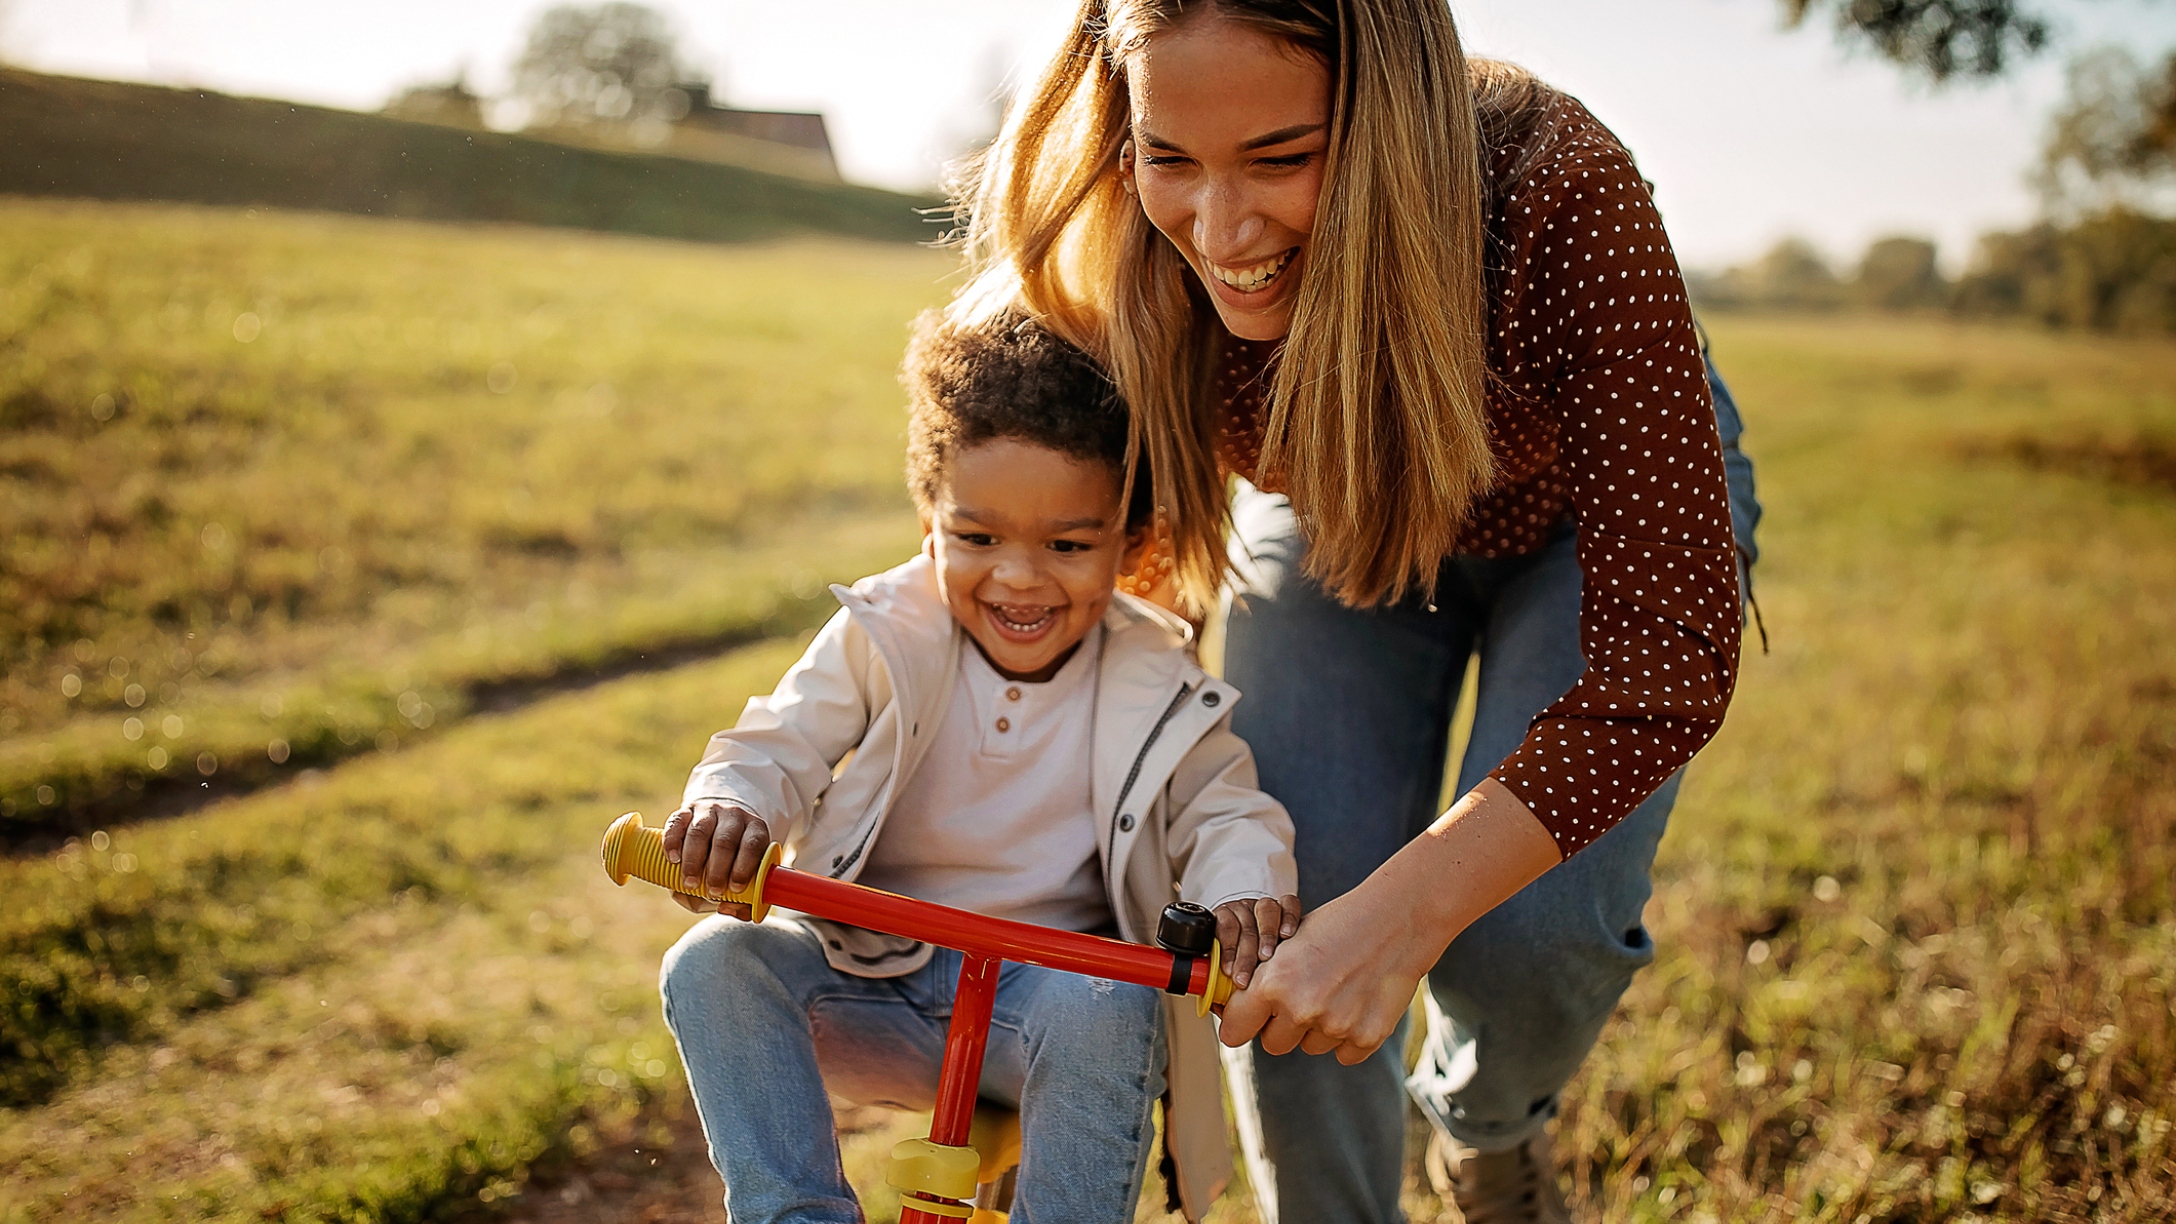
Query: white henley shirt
[(998, 818)]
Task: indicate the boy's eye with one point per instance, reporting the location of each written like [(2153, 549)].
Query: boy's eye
[(1070, 546), (976, 539)]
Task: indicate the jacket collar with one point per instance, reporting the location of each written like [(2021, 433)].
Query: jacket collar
[(1153, 702)]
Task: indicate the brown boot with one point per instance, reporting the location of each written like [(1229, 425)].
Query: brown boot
[(1513, 1187)]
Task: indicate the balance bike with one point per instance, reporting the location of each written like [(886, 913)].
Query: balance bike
[(963, 1170)]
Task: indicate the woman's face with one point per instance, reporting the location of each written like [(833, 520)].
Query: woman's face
[(1230, 127)]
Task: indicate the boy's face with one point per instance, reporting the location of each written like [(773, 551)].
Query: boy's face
[(1028, 544)]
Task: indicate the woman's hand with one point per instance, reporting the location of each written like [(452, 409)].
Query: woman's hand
[(1341, 983), (1251, 929), (719, 846)]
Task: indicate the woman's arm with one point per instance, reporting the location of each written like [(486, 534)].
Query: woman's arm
[(1342, 983)]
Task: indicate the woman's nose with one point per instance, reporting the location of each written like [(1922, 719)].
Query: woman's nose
[(1225, 225)]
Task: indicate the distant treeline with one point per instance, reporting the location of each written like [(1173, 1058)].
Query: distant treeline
[(63, 136), (2113, 271)]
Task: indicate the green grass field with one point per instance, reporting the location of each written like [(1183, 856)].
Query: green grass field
[(1916, 915), (281, 489)]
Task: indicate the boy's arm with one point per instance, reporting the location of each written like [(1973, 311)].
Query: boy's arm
[(778, 759), (1231, 848)]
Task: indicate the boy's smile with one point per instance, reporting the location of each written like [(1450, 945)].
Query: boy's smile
[(1028, 543)]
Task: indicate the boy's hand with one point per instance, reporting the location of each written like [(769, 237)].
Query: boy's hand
[(718, 846), (1251, 929)]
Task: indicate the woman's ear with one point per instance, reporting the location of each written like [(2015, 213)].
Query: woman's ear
[(1125, 166)]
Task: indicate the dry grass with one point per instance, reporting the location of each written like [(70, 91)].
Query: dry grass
[(1919, 946), (287, 486), (430, 985), (1918, 937)]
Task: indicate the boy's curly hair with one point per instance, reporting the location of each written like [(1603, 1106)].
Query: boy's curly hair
[(1010, 377)]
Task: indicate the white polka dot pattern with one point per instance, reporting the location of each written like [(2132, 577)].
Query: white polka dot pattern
[(1601, 410)]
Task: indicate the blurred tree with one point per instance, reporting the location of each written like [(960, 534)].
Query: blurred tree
[(2114, 271), (1791, 276), (1900, 274), (603, 66), (2113, 139), (1941, 38)]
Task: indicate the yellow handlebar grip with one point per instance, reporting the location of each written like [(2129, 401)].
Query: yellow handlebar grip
[(631, 848), (1220, 985)]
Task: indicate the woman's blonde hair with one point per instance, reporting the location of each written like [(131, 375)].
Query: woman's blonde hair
[(1377, 424)]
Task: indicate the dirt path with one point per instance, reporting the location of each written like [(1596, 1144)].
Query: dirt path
[(658, 1172)]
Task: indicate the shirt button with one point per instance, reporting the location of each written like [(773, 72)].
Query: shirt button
[(1013, 693), (1004, 724)]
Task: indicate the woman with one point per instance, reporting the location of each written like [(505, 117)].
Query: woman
[(1426, 310)]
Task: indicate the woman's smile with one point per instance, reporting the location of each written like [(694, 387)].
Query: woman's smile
[(1252, 278)]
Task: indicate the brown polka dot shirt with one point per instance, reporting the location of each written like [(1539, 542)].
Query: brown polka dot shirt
[(1600, 410)]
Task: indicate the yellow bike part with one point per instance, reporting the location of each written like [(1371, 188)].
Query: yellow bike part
[(1220, 985), (920, 1166), (634, 849)]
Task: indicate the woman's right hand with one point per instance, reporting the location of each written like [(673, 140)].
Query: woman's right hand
[(719, 847), (1340, 984)]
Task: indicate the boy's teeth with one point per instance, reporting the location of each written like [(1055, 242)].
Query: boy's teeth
[(1015, 621), (1247, 280)]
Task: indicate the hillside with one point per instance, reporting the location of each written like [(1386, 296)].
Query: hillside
[(552, 453), (64, 136)]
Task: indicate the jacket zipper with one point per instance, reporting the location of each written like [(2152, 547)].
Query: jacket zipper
[(1110, 852)]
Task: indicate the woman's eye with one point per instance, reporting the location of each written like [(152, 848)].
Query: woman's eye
[(1166, 159), (1290, 161)]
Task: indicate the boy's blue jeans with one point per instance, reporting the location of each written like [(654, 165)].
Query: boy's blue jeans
[(1349, 714), (767, 1027)]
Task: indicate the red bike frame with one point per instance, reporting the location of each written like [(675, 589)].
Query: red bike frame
[(936, 1175)]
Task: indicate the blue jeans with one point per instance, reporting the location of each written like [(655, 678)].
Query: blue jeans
[(766, 1028), (1349, 714)]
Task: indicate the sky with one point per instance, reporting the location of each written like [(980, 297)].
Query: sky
[(1751, 132)]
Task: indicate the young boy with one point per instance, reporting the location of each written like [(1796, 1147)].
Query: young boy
[(989, 726)]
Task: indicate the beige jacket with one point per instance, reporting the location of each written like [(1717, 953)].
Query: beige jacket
[(821, 759)]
